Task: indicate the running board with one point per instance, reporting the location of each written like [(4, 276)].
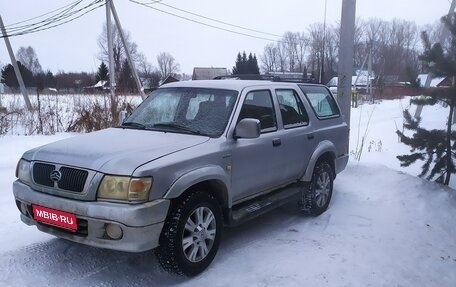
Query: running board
[(258, 206)]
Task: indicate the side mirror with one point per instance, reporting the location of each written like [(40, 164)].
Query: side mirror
[(122, 116), (247, 128)]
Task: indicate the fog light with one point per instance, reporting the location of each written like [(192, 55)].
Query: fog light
[(23, 208), (114, 231)]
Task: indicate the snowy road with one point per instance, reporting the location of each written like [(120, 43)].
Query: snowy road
[(390, 229)]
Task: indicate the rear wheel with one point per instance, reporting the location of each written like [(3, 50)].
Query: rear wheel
[(191, 235), (319, 192)]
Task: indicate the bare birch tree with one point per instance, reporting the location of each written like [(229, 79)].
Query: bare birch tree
[(28, 58), (167, 65)]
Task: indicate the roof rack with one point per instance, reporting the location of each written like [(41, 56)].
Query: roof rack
[(273, 78)]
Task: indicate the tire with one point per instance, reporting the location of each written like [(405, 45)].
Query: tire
[(319, 192), (191, 235)]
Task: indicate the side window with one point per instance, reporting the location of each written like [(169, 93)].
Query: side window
[(258, 105), (291, 109), (322, 102)]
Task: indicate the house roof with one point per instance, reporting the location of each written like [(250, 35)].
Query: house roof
[(169, 79), (202, 73), (435, 82), (100, 84)]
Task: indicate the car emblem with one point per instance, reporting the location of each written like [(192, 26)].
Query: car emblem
[(55, 176)]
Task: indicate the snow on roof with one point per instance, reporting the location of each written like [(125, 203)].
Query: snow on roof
[(434, 82), (100, 84)]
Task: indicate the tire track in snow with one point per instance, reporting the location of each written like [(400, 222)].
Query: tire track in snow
[(58, 262)]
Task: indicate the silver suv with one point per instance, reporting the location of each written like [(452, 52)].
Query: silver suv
[(193, 157)]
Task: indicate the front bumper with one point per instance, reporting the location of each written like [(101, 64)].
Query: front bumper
[(141, 224)]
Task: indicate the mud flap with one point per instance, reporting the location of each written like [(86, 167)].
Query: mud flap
[(305, 200)]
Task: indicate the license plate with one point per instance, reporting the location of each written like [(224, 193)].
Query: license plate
[(55, 217)]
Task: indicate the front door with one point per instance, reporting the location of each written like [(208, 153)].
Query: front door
[(254, 160)]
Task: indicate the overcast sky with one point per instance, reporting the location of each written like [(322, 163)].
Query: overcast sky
[(73, 46)]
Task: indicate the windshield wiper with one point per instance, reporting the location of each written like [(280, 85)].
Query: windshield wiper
[(177, 126), (134, 125)]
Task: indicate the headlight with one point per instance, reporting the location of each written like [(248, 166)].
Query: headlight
[(125, 188), (23, 171)]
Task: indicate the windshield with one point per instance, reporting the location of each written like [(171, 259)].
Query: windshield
[(185, 110)]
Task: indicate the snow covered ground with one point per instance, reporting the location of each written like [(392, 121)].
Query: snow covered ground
[(384, 227)]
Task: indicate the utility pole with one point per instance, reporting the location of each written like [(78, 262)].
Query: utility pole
[(347, 39), (127, 51), (15, 66), (443, 36), (322, 67), (110, 51), (361, 70), (369, 73)]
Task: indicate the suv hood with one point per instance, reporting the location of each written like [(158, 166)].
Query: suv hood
[(114, 150)]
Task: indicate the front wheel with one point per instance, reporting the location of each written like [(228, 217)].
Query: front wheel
[(191, 235), (318, 194)]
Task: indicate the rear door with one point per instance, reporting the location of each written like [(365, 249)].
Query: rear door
[(296, 134), (330, 124)]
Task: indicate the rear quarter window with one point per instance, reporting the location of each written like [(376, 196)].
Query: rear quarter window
[(321, 101)]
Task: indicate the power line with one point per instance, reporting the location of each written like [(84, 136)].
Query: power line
[(215, 20), (53, 18), (47, 13), (59, 17), (205, 24), (39, 26)]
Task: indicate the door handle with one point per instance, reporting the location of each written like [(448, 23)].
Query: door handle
[(310, 136), (276, 142)]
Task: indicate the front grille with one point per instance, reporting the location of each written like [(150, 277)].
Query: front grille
[(42, 172), (72, 179)]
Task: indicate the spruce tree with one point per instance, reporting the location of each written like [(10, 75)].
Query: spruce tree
[(255, 67), (437, 148), (246, 65), (9, 76), (252, 64), (238, 64), (102, 73), (50, 79), (126, 80)]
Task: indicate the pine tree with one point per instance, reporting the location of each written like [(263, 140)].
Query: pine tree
[(9, 77), (237, 69), (437, 148), (126, 81), (102, 73), (246, 65), (252, 65), (50, 79)]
